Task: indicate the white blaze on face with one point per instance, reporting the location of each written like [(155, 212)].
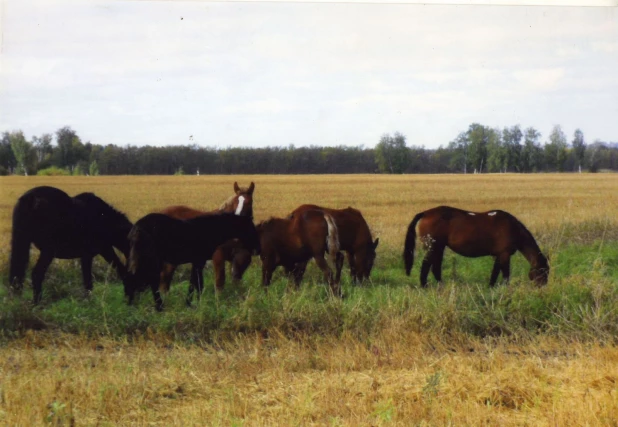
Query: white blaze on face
[(471, 213), (241, 202), (491, 213)]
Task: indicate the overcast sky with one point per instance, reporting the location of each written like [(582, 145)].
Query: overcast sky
[(258, 74)]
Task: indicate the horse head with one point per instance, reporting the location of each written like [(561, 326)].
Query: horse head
[(368, 257), (539, 274), (241, 203)]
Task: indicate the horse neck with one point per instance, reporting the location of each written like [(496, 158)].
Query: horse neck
[(529, 248)]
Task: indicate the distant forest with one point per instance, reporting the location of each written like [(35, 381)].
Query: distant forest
[(479, 149)]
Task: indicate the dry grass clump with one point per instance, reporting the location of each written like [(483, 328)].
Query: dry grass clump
[(394, 379)]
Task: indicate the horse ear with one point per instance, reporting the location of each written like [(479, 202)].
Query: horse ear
[(251, 188), (236, 189), (375, 244)]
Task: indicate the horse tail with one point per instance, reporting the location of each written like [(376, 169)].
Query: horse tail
[(408, 250), (332, 239), (20, 246)]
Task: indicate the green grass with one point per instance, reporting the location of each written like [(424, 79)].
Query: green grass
[(580, 302)]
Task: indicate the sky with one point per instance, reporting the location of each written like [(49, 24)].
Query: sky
[(253, 74)]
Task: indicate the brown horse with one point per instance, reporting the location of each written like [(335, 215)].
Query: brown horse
[(354, 238), (289, 241), (473, 234), (241, 203)]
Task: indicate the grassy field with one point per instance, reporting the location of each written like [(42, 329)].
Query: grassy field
[(389, 353)]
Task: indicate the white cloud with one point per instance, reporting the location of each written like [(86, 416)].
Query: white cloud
[(544, 79)]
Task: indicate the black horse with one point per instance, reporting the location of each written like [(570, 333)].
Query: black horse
[(65, 227), (157, 239)]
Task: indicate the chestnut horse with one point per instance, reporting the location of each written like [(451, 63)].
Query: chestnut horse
[(289, 241), (241, 203), (157, 238), (473, 234), (354, 238)]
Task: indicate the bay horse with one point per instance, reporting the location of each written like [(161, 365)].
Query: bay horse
[(290, 241), (65, 227), (157, 238), (493, 233), (241, 203), (354, 239)]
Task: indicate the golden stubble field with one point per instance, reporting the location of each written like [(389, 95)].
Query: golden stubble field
[(395, 378), (541, 201)]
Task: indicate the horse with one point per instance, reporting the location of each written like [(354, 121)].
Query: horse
[(241, 203), (354, 239), (473, 234), (65, 227), (292, 241), (157, 238)]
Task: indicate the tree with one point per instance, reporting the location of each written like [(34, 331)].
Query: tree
[(579, 147), (42, 147), (7, 158), (392, 153), (93, 169), (70, 149), (496, 154), (531, 159), (478, 137), (556, 149), (23, 152), (511, 137), (459, 147)]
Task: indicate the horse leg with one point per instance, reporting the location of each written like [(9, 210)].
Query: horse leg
[(196, 282), (352, 264), (425, 267), (156, 293), (328, 275), (87, 273), (436, 265), (494, 272), (268, 267), (218, 263), (165, 277), (298, 272), (505, 266), (338, 266), (38, 273), (240, 263)]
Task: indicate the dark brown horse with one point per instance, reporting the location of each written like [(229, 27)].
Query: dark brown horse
[(354, 238), (156, 239), (289, 241), (241, 203), (473, 234), (65, 227)]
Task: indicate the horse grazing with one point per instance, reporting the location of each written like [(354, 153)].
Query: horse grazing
[(157, 238), (473, 234), (65, 227), (354, 238), (289, 241), (241, 203)]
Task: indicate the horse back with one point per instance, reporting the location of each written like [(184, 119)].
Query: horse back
[(353, 229), (183, 212), (470, 233)]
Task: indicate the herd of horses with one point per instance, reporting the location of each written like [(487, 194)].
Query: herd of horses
[(84, 226)]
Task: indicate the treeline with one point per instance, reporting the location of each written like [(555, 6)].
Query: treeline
[(478, 149)]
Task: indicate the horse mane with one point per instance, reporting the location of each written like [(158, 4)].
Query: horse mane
[(92, 199), (525, 230)]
